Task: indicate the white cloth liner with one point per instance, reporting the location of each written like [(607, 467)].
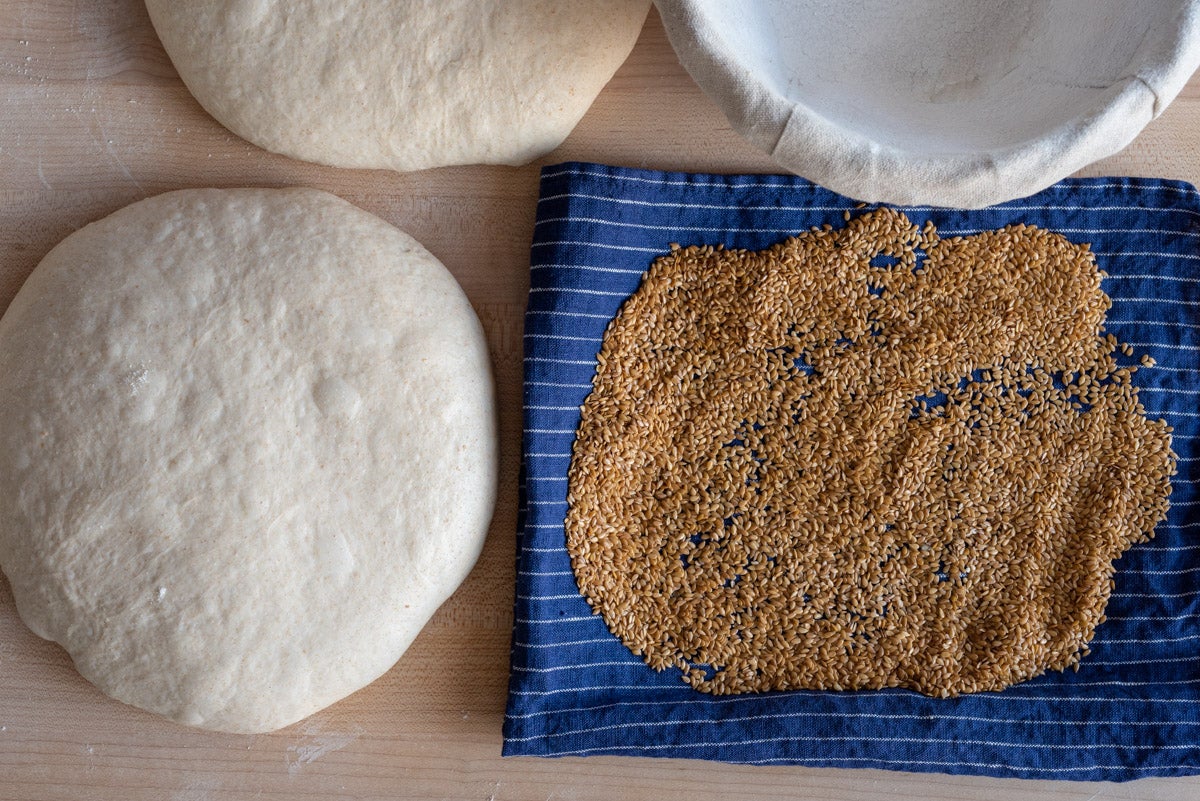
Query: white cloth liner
[(961, 103)]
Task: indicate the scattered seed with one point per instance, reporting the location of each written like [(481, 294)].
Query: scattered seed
[(799, 470)]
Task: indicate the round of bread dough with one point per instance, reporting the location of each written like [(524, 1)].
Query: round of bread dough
[(399, 85), (247, 449)]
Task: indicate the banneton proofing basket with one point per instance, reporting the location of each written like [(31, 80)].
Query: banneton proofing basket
[(942, 102)]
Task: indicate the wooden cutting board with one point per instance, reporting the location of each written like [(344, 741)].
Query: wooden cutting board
[(93, 117)]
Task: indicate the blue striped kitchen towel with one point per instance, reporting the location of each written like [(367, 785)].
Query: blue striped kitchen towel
[(1132, 709)]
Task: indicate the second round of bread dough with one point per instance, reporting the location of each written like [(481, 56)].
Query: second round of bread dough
[(399, 85), (247, 449)]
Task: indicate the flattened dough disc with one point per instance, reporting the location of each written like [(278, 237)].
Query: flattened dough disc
[(395, 84), (247, 449)]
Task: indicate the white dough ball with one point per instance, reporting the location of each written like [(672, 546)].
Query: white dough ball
[(399, 84), (247, 448)]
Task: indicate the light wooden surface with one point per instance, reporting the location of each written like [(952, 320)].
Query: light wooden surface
[(92, 117)]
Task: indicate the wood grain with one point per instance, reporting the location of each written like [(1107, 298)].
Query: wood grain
[(92, 117)]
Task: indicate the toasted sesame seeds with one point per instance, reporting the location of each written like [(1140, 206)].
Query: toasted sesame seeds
[(806, 467)]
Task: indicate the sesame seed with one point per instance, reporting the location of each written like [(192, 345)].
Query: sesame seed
[(797, 469)]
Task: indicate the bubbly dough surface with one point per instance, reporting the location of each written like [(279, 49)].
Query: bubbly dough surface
[(399, 85), (248, 447)]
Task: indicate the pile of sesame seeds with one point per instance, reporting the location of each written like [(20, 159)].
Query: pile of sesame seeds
[(862, 458)]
